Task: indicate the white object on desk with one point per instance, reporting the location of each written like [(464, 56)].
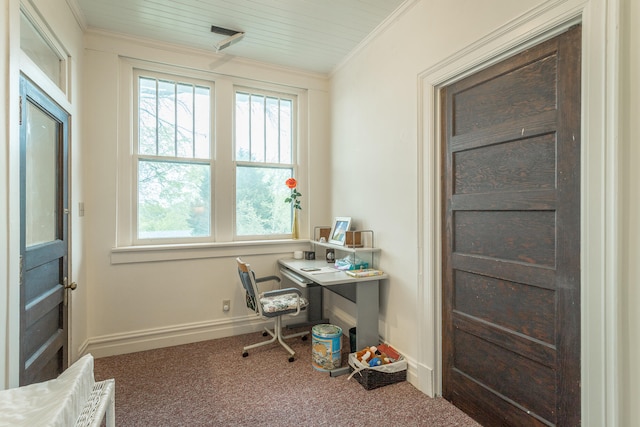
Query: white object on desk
[(324, 270), (297, 254)]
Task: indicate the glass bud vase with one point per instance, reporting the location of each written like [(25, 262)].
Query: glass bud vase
[(295, 227)]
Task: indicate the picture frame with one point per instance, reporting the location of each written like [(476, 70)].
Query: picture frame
[(338, 235)]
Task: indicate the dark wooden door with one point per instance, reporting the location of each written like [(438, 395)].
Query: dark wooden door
[(511, 238), (43, 236)]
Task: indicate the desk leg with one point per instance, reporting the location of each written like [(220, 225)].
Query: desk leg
[(367, 307), (314, 309), (367, 312)]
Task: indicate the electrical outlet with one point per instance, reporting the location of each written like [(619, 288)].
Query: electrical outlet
[(226, 305)]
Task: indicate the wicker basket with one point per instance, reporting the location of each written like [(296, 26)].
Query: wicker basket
[(377, 376)]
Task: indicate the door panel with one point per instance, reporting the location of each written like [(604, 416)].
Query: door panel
[(511, 238), (43, 236), (526, 236), (482, 297)]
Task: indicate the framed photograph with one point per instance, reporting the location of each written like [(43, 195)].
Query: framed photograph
[(339, 230)]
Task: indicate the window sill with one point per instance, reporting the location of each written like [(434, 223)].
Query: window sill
[(156, 253)]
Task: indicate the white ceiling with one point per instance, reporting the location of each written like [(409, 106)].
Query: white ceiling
[(313, 35)]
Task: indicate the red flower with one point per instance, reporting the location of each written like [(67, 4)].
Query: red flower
[(291, 183), (293, 198)]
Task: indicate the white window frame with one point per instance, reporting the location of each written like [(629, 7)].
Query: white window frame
[(126, 249), (136, 156)]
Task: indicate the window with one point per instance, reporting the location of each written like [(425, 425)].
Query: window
[(264, 160), (172, 158), (199, 173), (41, 47)]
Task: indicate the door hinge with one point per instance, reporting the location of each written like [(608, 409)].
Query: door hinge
[(21, 270), (20, 108)]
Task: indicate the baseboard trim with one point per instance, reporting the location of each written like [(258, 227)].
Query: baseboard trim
[(424, 379), (130, 342)]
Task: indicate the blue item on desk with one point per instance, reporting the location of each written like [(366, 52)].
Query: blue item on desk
[(349, 263)]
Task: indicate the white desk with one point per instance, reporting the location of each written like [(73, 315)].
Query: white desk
[(364, 292)]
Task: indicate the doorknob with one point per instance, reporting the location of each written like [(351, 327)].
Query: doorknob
[(71, 286)]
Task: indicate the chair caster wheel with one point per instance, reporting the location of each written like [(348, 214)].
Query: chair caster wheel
[(291, 359), (245, 354), (304, 338)]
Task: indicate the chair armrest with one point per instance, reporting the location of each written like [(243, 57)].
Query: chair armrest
[(277, 292), (267, 278)]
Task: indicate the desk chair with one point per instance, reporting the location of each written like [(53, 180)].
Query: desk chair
[(271, 304)]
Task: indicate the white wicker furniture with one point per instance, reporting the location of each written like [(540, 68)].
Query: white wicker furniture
[(101, 403), (72, 399)]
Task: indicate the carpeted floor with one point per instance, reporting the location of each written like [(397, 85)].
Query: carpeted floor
[(211, 384)]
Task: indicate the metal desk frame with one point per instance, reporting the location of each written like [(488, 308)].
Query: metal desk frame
[(364, 292)]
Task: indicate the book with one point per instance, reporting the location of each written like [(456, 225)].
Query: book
[(389, 351), (366, 272)]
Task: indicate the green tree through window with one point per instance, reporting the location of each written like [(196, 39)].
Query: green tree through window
[(264, 161)]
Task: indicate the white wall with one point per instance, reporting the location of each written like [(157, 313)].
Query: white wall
[(142, 305), (377, 118)]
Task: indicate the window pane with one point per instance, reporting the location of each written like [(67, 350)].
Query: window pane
[(257, 128), (173, 119), (43, 141), (173, 200), (272, 130), (286, 132), (166, 118), (147, 116), (40, 52), (185, 118), (243, 149), (202, 122), (264, 129), (260, 206)]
